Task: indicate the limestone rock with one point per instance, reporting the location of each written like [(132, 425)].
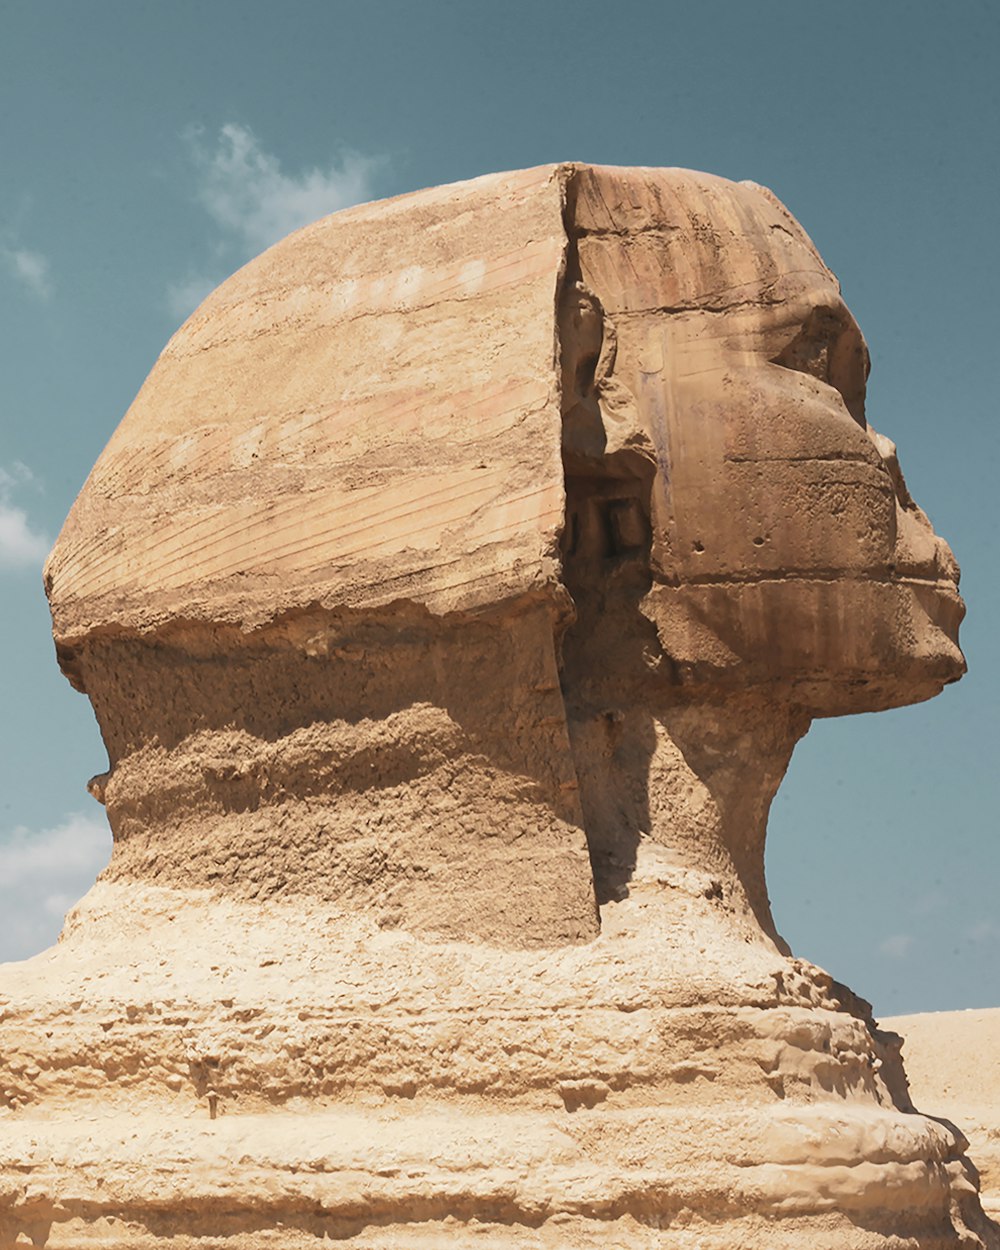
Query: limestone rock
[(451, 599), (953, 1066)]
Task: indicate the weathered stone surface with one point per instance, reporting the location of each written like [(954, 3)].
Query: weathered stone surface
[(451, 600), (365, 414), (953, 1066)]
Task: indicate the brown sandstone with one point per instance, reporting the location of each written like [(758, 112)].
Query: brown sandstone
[(451, 599)]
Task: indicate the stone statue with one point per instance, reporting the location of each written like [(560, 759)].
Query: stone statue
[(451, 599)]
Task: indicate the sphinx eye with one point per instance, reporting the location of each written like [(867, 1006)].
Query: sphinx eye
[(829, 347)]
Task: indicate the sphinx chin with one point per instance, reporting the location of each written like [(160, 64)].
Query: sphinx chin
[(925, 655)]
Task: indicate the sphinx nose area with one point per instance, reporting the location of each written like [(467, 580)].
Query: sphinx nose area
[(920, 551), (948, 566), (887, 450)]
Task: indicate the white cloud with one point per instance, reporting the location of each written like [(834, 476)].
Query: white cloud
[(32, 269), (21, 545), (896, 946), (247, 193), (184, 297), (254, 202), (983, 931), (42, 874)]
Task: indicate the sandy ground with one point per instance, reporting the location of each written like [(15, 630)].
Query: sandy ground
[(953, 1061)]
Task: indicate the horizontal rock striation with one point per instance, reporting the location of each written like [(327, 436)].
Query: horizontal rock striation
[(451, 600)]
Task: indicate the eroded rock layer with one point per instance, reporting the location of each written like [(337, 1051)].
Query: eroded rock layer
[(451, 600), (269, 1074), (953, 1063)]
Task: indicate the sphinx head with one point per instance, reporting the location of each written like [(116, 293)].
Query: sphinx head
[(452, 519), (467, 567)]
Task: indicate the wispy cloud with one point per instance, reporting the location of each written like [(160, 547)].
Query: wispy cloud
[(253, 201), (30, 268), (896, 946), (184, 297), (42, 874), (247, 193), (983, 931), (21, 545)]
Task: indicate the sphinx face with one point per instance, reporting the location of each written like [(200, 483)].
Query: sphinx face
[(784, 543)]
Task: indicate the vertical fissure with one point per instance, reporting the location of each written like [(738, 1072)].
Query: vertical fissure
[(610, 651)]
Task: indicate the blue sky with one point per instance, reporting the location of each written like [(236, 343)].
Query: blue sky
[(150, 149)]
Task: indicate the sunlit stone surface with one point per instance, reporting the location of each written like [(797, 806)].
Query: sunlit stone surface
[(451, 599)]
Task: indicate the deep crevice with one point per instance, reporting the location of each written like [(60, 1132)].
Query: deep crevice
[(610, 651)]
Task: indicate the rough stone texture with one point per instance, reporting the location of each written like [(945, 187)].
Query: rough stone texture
[(451, 600), (953, 1064)]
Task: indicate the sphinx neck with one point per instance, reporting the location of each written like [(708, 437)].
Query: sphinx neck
[(676, 780), (676, 797)]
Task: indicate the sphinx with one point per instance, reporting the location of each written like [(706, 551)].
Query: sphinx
[(451, 600)]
